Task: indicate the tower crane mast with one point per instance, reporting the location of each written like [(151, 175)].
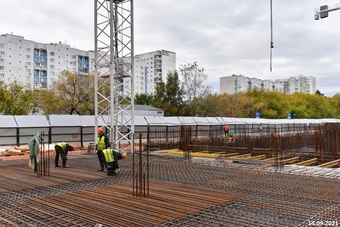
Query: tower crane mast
[(324, 10)]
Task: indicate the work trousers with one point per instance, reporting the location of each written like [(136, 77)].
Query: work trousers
[(59, 151), (112, 166), (101, 160)]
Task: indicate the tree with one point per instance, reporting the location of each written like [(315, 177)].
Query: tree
[(207, 106), (169, 96), (15, 99), (319, 93), (270, 104), (144, 99), (193, 79), (72, 93)]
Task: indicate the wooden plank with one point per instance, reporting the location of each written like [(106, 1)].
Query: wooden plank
[(330, 164), (257, 157), (241, 156), (307, 162), (291, 160)]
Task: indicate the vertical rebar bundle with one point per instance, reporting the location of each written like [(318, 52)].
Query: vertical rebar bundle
[(44, 159), (140, 182)]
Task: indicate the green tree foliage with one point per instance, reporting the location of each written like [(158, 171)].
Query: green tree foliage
[(226, 105), (272, 105), (169, 96), (319, 93), (312, 106), (15, 99), (71, 94), (144, 99), (335, 104), (276, 105), (207, 106)]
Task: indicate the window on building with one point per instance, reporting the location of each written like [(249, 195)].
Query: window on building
[(52, 53), (2, 52), (2, 45), (28, 56), (2, 67), (28, 49)]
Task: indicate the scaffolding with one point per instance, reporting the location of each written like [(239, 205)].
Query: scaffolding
[(114, 84)]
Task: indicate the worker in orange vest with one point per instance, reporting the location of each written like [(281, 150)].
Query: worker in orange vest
[(226, 130)]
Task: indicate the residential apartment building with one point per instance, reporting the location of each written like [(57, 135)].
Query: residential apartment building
[(239, 83), (301, 84), (38, 65), (152, 68)]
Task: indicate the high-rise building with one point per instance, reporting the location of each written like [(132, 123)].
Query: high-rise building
[(301, 84), (239, 83), (38, 65), (152, 68)]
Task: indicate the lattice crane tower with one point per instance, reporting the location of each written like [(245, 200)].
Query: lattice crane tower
[(114, 56)]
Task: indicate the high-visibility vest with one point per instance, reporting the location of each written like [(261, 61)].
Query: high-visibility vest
[(108, 154), (226, 128), (101, 143), (62, 145)]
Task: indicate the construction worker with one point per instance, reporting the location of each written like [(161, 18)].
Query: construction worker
[(111, 158), (226, 130), (102, 144), (62, 149)]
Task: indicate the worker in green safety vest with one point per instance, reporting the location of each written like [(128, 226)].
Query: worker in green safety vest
[(111, 157), (61, 149), (102, 143)]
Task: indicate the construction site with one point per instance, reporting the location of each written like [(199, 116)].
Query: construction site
[(179, 171), (210, 181)]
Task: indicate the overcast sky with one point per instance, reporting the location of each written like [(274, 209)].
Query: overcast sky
[(225, 37)]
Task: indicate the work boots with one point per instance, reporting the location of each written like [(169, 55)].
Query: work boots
[(102, 167)]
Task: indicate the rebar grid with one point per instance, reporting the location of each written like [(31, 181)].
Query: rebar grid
[(182, 193)]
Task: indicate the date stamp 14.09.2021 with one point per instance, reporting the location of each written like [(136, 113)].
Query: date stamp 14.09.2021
[(324, 223)]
